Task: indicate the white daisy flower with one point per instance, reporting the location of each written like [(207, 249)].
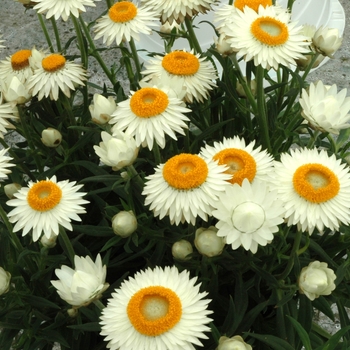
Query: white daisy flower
[(267, 36), (243, 161), (324, 108), (4, 164), (45, 205), (185, 187), (315, 189), (183, 69), (56, 74), (20, 64), (124, 21), (248, 215), (156, 309), (178, 10), (83, 284), (62, 8), (150, 114)]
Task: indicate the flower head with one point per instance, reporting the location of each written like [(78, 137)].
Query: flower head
[(316, 279), (327, 41), (150, 114), (178, 10), (5, 278), (15, 91), (123, 22), (4, 164), (45, 205), (242, 161), (234, 343), (183, 69), (56, 74), (207, 241), (62, 8), (315, 189), (185, 187), (117, 150), (102, 108), (124, 223), (156, 309), (248, 215), (324, 108), (267, 36), (83, 284)]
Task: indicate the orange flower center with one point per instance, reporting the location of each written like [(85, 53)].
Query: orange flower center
[(180, 63), (123, 11), (316, 183), (253, 4), (53, 62), (20, 59), (154, 310), (44, 195), (269, 31), (148, 102), (185, 171), (241, 164)]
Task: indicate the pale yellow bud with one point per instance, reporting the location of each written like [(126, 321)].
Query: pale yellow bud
[(51, 137), (124, 223), (181, 250)]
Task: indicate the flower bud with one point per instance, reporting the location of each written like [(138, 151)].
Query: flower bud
[(5, 278), (316, 279), (48, 242), (207, 242), (11, 189), (102, 108), (73, 312), (240, 89), (124, 223), (117, 150), (15, 91), (327, 41), (181, 250), (51, 137), (234, 343), (222, 46)]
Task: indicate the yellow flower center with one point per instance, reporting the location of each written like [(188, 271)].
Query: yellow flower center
[(148, 102), (180, 63), (123, 11), (241, 164), (154, 310), (316, 183), (185, 171), (53, 62), (20, 59), (44, 195), (269, 31), (253, 4)]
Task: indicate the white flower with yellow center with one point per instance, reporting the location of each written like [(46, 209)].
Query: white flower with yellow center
[(45, 205), (178, 10), (315, 189), (156, 309), (183, 69), (123, 22), (150, 114), (62, 8), (185, 187), (56, 74), (20, 64), (4, 164), (267, 36), (242, 161), (83, 284), (324, 108), (248, 215)]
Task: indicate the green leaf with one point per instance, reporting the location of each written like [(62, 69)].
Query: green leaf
[(334, 340), (39, 302), (88, 327), (274, 342), (304, 337)]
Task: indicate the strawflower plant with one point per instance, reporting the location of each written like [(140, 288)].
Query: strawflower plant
[(200, 202)]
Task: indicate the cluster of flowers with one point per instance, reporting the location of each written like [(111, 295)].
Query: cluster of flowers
[(247, 191)]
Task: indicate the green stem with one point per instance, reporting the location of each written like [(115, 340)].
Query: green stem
[(135, 57), (192, 38), (262, 110), (293, 253), (313, 139), (14, 239), (99, 304), (136, 178), (156, 153), (95, 52), (46, 33), (309, 67), (57, 35), (66, 244)]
